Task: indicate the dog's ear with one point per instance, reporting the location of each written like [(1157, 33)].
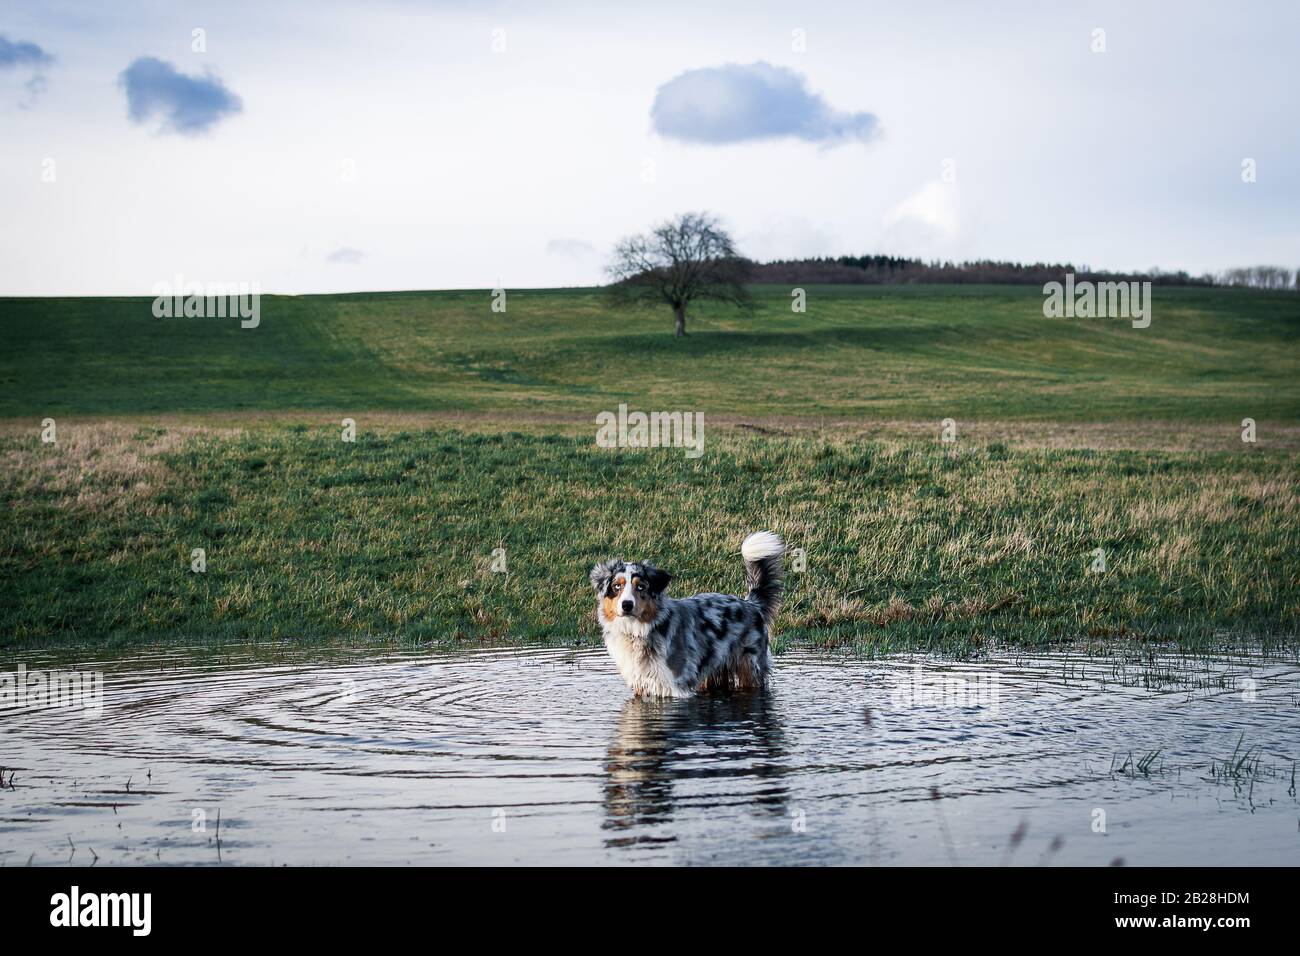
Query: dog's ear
[(601, 574), (656, 578)]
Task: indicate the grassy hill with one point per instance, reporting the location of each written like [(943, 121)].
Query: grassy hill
[(176, 434), (897, 352)]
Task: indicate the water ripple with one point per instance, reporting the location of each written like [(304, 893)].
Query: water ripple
[(538, 756)]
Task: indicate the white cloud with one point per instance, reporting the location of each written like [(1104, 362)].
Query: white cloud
[(929, 214), (790, 237), (572, 248)]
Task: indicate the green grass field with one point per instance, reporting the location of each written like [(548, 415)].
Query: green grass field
[(476, 432), (897, 352)]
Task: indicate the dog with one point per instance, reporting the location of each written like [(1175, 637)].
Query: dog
[(667, 647)]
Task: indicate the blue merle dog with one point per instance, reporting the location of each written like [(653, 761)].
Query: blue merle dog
[(665, 647)]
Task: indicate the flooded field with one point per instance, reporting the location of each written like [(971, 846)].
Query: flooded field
[(320, 757)]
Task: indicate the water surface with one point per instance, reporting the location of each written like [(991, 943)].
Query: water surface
[(540, 757)]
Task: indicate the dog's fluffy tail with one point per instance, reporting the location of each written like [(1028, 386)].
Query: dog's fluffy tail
[(762, 552)]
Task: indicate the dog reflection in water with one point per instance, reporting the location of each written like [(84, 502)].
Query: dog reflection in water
[(670, 756)]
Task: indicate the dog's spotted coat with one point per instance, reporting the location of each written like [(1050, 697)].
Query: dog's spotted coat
[(665, 647)]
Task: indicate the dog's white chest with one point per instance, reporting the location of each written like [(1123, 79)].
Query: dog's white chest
[(644, 672)]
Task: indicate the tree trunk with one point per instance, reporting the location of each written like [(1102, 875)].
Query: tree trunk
[(680, 312)]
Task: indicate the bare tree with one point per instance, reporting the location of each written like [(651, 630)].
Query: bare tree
[(680, 261)]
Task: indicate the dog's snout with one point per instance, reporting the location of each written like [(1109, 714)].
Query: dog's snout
[(627, 607)]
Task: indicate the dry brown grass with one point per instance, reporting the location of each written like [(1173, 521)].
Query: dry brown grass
[(1101, 436), (827, 610), (93, 467)]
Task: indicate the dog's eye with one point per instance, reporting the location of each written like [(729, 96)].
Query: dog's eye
[(640, 585)]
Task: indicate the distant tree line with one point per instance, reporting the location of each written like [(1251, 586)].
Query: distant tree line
[(1261, 277), (887, 270)]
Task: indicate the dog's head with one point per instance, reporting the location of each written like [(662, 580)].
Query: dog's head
[(629, 589)]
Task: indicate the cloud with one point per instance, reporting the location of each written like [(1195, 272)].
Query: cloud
[(931, 214), (785, 236), (345, 256), (573, 248), (22, 55), (735, 103), (188, 104)]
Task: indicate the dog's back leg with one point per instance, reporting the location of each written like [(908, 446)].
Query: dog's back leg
[(752, 665)]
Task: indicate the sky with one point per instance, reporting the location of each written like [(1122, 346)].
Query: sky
[(417, 144)]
